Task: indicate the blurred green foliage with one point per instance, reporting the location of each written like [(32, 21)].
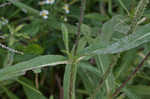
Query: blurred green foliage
[(46, 32)]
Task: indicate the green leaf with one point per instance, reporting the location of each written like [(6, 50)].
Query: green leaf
[(23, 6), (90, 68), (18, 28), (130, 94), (122, 27), (103, 61), (30, 91), (34, 49), (82, 44), (37, 70), (87, 78), (140, 89), (89, 75), (32, 29), (141, 36), (35, 63), (96, 16), (126, 62), (86, 30), (108, 29), (65, 36), (51, 97), (9, 93)]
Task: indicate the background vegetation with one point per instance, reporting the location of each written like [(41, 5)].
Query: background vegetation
[(74, 49)]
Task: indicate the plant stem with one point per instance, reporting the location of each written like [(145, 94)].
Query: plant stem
[(131, 75), (102, 7), (61, 91), (74, 63), (37, 81), (110, 7), (72, 81), (9, 56), (124, 7), (82, 9)]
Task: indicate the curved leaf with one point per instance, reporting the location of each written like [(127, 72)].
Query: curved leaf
[(141, 36), (23, 6), (35, 63)]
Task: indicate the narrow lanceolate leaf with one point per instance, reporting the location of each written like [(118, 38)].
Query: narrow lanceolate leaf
[(103, 61), (89, 75), (65, 36), (35, 63), (130, 94), (23, 6), (141, 36), (28, 89), (139, 89), (9, 93)]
